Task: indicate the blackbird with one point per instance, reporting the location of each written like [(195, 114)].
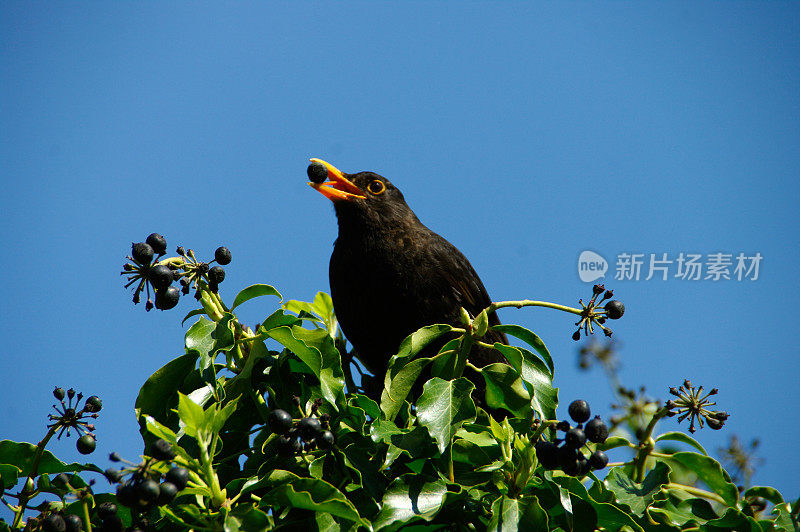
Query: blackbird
[(391, 275)]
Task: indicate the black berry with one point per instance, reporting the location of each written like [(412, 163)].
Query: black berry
[(167, 298), (598, 460), (178, 476), (59, 393), (147, 491), (309, 428), (162, 450), (106, 510), (126, 495), (142, 253), (114, 457), (158, 243), (167, 492), (113, 524), (160, 276), (54, 523), (547, 453), (86, 444), (222, 255), (113, 475), (289, 445), (216, 274), (325, 440), (576, 335), (563, 426), (575, 438), (579, 411), (280, 421), (614, 309), (568, 460), (93, 404), (583, 465), (317, 173), (73, 523), (596, 430)]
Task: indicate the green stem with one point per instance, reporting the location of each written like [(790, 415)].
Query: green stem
[(543, 425), (24, 498), (530, 303), (87, 522), (217, 496), (695, 491), (646, 444)]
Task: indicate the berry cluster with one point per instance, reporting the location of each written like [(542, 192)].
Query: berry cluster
[(692, 404), (568, 456), (149, 272), (144, 488), (70, 417), (306, 434), (58, 522), (593, 314)]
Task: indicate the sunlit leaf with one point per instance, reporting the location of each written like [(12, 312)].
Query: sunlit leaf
[(444, 406)]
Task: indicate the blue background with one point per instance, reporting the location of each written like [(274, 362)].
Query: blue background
[(524, 133)]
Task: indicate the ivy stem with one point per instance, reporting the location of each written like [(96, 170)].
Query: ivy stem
[(695, 491), (530, 303), (647, 444), (23, 499), (217, 497), (86, 520), (543, 425)]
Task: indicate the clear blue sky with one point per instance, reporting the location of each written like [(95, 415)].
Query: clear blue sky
[(524, 133)]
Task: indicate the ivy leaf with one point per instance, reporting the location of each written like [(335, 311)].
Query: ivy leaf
[(536, 376), (410, 498), (524, 514), (683, 438), (530, 338), (771, 494), (208, 338), (192, 417), (710, 472), (505, 389), (158, 392), (637, 496), (20, 456), (310, 494), (253, 291), (444, 406)]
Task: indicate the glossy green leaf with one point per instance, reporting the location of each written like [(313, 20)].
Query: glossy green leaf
[(524, 514), (768, 493), (192, 416), (530, 338), (410, 498), (710, 472), (733, 519), (310, 494), (195, 312), (256, 290), (505, 389), (21, 455), (536, 376), (444, 406), (637, 496), (683, 438), (611, 517), (398, 384), (158, 392), (207, 338)]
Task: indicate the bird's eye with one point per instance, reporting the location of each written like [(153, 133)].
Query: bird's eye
[(376, 187)]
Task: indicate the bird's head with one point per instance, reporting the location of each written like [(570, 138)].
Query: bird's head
[(362, 198)]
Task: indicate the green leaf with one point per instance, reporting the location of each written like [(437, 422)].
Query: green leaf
[(410, 498), (310, 494), (444, 406), (610, 516), (159, 430), (536, 376), (612, 442), (20, 456), (771, 494), (684, 512), (530, 338), (398, 382), (256, 290), (192, 417), (207, 338), (216, 417), (505, 389), (637, 496), (683, 438), (158, 392), (733, 520), (509, 515), (710, 472), (195, 312)]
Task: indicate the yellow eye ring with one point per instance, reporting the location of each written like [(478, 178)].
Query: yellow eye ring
[(376, 187)]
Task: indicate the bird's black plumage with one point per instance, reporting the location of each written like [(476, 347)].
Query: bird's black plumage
[(391, 275)]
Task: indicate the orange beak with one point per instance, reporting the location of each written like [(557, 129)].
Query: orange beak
[(338, 187)]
